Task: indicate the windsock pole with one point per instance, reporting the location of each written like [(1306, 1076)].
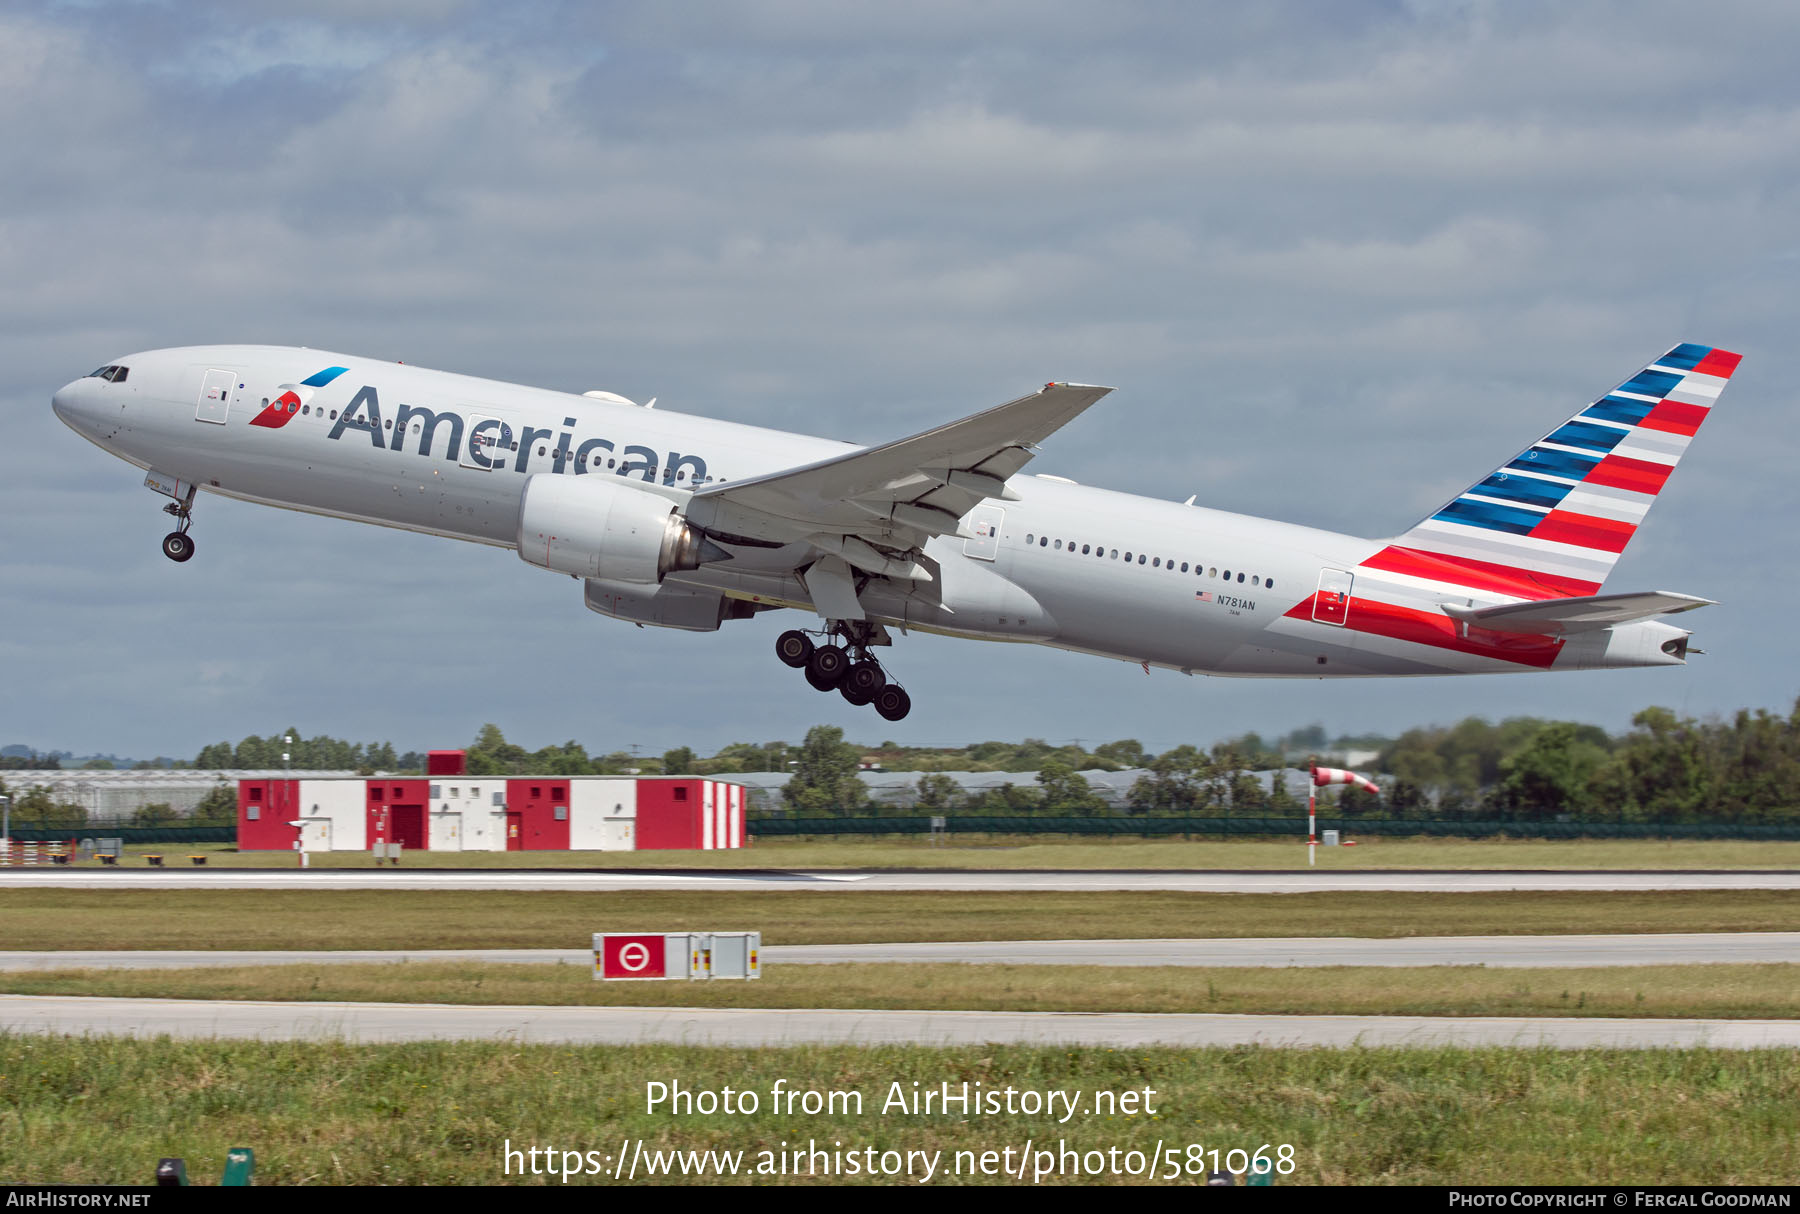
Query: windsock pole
[(1312, 819)]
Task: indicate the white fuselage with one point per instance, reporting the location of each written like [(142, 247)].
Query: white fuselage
[(1086, 569)]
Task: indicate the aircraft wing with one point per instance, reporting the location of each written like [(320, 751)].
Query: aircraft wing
[(874, 505), (1561, 616)]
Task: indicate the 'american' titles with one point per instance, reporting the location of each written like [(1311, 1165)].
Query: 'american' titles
[(492, 440)]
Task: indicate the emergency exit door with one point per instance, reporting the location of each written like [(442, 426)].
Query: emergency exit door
[(982, 532)]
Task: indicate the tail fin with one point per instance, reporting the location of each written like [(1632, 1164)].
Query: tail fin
[(1551, 523)]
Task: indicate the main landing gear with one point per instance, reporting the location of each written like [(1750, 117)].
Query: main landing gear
[(178, 545), (847, 668)]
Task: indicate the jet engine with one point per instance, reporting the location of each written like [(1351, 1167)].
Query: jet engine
[(593, 526)]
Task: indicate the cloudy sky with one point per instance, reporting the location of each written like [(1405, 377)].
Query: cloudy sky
[(1340, 261)]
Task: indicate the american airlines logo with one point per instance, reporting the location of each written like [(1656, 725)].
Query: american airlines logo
[(492, 442), (286, 405)]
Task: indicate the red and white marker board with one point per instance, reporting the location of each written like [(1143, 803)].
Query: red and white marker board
[(643, 956)]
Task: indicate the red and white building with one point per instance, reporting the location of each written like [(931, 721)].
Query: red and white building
[(448, 810)]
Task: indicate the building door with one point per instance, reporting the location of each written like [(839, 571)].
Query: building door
[(406, 826), (215, 396), (1332, 604), (514, 829), (315, 835)]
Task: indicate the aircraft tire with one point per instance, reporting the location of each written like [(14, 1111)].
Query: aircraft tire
[(867, 677), (794, 648), (892, 703), (177, 546), (852, 695), (827, 666)]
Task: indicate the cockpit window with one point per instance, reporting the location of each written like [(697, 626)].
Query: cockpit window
[(114, 374), (119, 374)]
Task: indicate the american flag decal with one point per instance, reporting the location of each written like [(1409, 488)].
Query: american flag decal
[(1204, 596)]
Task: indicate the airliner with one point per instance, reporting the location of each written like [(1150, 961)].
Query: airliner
[(687, 522)]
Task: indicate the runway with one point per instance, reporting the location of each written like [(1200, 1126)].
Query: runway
[(1693, 948), (391, 1022), (1238, 882)]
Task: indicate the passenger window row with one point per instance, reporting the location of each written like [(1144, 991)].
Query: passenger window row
[(1154, 562)]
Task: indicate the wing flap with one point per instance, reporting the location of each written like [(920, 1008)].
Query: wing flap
[(1558, 617)]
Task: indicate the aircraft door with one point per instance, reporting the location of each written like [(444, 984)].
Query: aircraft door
[(982, 530), (1332, 604), (490, 443), (215, 396)]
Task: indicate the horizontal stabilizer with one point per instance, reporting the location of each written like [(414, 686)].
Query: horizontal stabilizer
[(1558, 617)]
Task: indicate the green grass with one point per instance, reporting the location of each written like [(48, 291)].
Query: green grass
[(1732, 991), (1039, 852), (321, 918), (101, 1111)]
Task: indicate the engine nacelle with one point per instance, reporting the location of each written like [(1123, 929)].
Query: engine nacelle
[(667, 606), (593, 526)]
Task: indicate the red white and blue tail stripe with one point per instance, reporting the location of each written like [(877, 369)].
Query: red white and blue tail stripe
[(1552, 522)]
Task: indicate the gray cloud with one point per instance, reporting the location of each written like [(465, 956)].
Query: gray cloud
[(1341, 262)]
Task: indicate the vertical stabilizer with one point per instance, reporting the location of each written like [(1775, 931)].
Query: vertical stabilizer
[(1551, 522)]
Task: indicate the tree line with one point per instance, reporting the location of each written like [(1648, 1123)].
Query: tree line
[(1666, 768)]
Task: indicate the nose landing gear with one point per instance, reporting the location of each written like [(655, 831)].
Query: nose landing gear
[(848, 668), (178, 545)]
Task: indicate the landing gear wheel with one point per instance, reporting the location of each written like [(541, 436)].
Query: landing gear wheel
[(867, 677), (177, 546), (815, 683), (892, 703), (849, 692), (794, 648), (827, 665)]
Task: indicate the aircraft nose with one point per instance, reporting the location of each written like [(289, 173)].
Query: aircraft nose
[(62, 401), (73, 403)]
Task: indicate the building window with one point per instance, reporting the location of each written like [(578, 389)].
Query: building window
[(562, 813), (680, 793), (254, 813)]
